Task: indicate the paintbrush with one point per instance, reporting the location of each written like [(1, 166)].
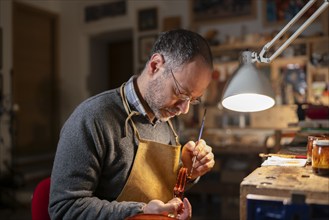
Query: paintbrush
[(200, 134)]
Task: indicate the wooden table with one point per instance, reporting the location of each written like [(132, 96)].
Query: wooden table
[(282, 182)]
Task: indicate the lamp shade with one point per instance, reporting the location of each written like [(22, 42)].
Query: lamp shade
[(248, 90)]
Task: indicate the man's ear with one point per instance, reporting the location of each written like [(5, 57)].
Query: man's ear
[(156, 61)]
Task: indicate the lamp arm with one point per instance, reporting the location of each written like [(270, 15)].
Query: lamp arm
[(261, 59)]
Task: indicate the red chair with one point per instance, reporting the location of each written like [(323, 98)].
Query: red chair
[(40, 200)]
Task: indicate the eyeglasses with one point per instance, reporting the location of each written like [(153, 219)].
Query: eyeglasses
[(182, 96)]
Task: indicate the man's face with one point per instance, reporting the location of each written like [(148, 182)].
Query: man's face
[(165, 94)]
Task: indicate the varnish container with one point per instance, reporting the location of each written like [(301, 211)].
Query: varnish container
[(320, 157)]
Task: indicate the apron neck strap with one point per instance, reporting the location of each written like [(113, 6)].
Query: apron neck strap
[(132, 123), (124, 100), (173, 130), (131, 113)]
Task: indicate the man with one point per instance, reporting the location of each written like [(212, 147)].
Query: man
[(119, 154)]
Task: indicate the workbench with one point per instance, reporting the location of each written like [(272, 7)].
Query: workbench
[(282, 182)]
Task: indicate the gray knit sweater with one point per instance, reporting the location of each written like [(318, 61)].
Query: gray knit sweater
[(94, 158)]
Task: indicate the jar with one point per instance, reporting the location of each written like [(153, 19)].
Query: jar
[(320, 157), (310, 144)]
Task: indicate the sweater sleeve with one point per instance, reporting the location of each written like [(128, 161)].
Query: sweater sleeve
[(76, 172)]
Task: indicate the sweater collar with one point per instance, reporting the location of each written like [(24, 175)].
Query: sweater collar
[(133, 99)]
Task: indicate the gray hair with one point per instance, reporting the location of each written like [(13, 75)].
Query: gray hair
[(180, 47)]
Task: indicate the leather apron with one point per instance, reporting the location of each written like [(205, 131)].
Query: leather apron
[(154, 171)]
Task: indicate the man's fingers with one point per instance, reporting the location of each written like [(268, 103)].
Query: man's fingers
[(171, 206), (186, 212)]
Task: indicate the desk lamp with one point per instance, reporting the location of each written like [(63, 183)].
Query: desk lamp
[(248, 90)]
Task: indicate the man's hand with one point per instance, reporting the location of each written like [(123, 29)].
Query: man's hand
[(186, 212), (175, 207), (204, 157)]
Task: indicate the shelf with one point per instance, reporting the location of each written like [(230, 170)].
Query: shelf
[(239, 148), (323, 70), (243, 45), (289, 60)]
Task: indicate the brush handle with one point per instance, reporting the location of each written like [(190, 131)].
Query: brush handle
[(199, 138)]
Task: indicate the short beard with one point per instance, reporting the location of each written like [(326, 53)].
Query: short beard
[(154, 97)]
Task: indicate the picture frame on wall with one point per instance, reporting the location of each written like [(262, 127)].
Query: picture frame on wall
[(293, 84), (289, 80), (171, 23), (145, 46), (147, 19), (218, 11), (104, 10), (280, 12)]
